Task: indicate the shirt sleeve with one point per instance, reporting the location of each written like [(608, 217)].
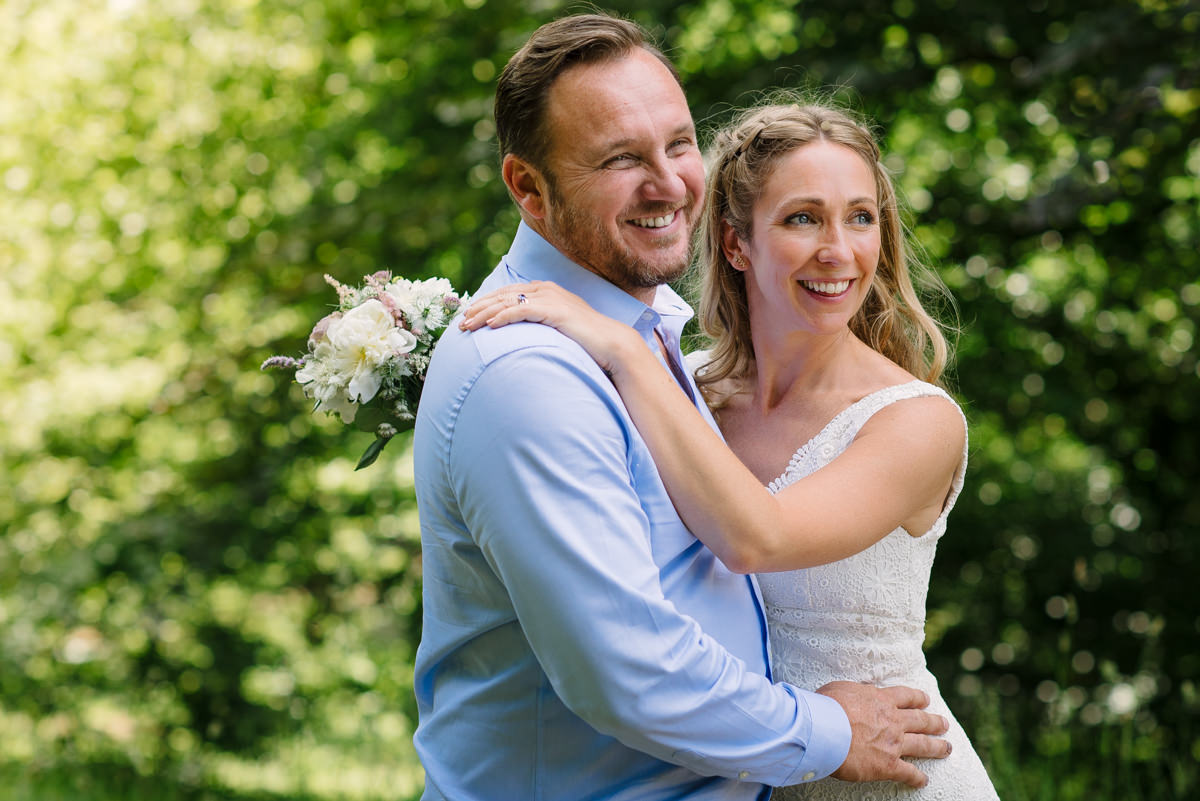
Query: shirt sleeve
[(540, 465)]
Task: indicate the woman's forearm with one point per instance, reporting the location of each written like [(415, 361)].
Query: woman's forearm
[(835, 513), (718, 498)]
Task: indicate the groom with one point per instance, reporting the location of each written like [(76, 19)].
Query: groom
[(578, 641)]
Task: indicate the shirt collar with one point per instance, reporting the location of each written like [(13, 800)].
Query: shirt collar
[(532, 258)]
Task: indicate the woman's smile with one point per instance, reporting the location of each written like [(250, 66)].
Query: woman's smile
[(830, 289)]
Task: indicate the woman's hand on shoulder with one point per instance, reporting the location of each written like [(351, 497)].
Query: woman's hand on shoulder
[(549, 304)]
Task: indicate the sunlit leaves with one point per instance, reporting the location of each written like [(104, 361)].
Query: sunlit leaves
[(191, 569), (162, 155)]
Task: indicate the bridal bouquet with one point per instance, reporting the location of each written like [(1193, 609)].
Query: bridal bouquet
[(366, 362)]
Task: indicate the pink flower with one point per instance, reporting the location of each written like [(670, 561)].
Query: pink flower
[(282, 363), (318, 333)]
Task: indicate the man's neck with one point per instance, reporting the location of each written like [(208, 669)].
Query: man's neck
[(644, 294)]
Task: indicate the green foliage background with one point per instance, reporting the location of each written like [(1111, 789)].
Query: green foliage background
[(199, 598)]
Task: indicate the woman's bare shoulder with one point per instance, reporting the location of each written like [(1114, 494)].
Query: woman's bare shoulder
[(931, 426)]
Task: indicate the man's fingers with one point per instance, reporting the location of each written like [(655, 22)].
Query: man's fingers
[(906, 697), (907, 773), (922, 746), (918, 722)]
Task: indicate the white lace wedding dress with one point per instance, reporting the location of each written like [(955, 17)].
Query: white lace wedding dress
[(863, 619)]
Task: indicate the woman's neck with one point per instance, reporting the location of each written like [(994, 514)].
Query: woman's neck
[(801, 363)]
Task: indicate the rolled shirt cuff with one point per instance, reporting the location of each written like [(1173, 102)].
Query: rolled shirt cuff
[(828, 742)]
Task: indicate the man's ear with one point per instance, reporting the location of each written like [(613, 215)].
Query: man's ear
[(526, 184)]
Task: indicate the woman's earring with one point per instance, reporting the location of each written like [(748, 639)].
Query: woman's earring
[(738, 262)]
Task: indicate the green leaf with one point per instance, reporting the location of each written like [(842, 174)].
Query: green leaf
[(371, 453)]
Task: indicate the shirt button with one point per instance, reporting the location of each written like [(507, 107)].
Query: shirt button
[(745, 774), (808, 777)]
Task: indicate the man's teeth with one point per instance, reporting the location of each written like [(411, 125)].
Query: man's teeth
[(654, 222), (827, 287)]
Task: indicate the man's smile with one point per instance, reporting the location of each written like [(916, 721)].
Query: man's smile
[(655, 222)]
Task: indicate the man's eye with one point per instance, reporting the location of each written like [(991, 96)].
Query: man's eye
[(620, 162)]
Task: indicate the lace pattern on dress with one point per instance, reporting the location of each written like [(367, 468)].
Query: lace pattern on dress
[(863, 618)]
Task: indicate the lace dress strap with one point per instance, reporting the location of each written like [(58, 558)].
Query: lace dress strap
[(839, 432), (921, 389)]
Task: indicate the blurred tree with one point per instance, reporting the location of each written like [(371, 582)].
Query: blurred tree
[(193, 580)]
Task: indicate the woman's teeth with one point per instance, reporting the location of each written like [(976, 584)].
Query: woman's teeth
[(827, 287)]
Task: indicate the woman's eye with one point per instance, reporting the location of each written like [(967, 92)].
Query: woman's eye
[(863, 218), (801, 218)]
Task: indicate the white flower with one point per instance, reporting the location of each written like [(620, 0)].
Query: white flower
[(344, 369), (322, 381), (421, 302), (374, 350)]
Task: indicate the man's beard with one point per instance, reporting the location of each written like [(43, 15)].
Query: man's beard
[(585, 240)]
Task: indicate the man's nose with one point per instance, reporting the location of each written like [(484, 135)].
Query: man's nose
[(664, 180)]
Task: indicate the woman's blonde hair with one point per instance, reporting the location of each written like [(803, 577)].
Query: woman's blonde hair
[(892, 319)]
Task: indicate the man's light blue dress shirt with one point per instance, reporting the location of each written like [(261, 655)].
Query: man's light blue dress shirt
[(579, 642)]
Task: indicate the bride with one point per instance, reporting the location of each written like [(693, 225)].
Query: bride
[(844, 454)]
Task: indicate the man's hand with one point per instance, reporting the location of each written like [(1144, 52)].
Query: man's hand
[(887, 724)]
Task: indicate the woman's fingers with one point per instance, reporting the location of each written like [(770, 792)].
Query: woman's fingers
[(485, 307), (518, 313), (477, 314), (537, 302)]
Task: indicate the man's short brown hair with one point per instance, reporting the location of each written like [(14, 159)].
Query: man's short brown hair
[(524, 85)]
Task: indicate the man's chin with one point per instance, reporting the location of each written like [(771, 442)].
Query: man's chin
[(646, 275)]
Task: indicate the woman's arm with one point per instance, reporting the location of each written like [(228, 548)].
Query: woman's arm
[(899, 467)]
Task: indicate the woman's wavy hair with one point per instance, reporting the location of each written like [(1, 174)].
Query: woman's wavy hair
[(892, 319)]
